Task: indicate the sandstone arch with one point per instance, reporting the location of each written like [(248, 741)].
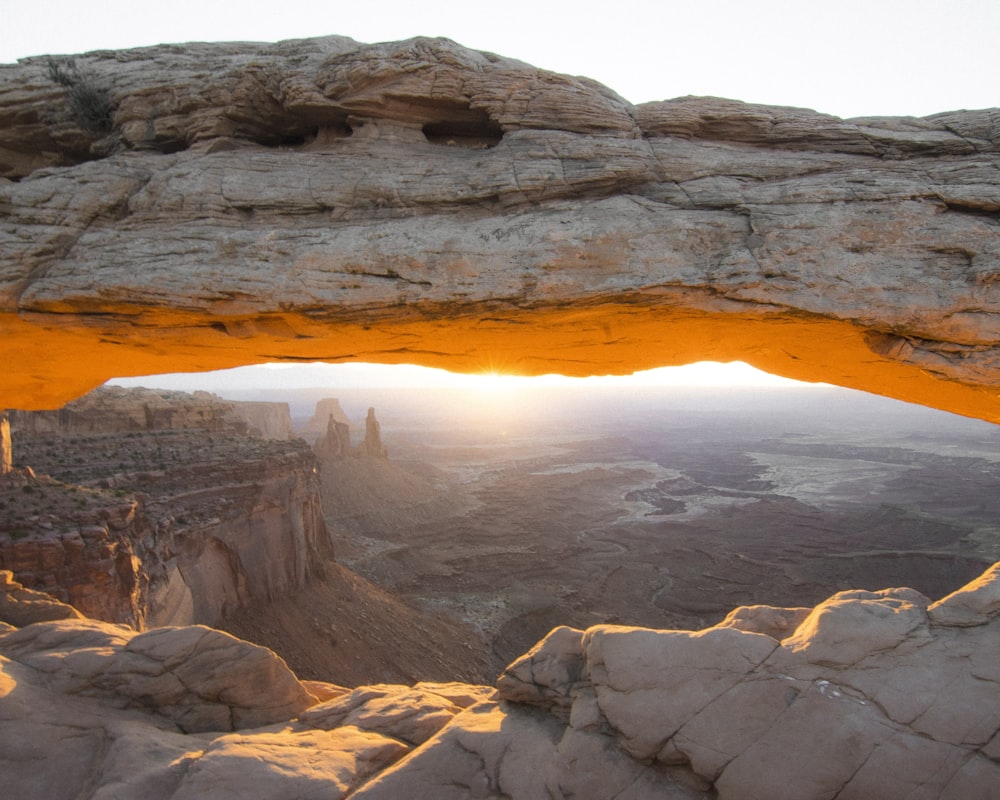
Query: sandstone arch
[(294, 206)]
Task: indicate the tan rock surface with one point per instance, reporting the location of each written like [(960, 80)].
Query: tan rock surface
[(778, 623), (6, 450), (199, 678), (430, 204), (20, 606), (720, 713), (425, 203), (411, 715)]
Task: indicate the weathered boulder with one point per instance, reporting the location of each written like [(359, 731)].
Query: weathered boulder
[(411, 715), (199, 678), (870, 697), (420, 202), (778, 623), (973, 604)]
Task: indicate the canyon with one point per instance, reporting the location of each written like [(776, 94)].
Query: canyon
[(160, 508), (155, 508), (418, 202), (476, 543)]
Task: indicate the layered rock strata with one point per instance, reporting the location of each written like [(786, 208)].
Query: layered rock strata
[(216, 205), (226, 516), (872, 694), (112, 409)]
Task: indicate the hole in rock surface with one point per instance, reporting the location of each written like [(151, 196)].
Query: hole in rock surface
[(490, 508), (472, 128)]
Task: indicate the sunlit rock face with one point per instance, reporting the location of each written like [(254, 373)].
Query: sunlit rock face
[(420, 202)]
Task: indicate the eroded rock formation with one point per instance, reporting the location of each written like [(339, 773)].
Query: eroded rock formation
[(229, 512), (419, 202), (319, 423), (112, 409), (872, 694), (335, 443), (372, 446), (20, 606)]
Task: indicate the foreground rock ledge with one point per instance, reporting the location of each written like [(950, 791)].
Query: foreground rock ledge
[(217, 205), (868, 695)]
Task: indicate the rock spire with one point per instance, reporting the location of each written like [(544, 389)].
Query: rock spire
[(372, 445)]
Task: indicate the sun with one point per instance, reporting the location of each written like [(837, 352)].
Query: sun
[(494, 382)]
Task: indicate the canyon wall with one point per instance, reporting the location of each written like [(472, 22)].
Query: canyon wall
[(117, 410), (168, 512), (425, 203), (252, 530)]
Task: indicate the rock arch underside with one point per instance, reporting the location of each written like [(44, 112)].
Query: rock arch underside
[(200, 206), (420, 202)]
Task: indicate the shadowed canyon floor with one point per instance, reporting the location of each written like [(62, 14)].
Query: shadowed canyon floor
[(558, 520), (663, 508), (501, 515)]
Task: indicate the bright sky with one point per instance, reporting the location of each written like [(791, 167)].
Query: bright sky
[(303, 376), (848, 58)]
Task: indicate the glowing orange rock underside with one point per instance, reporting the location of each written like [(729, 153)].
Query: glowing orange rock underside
[(48, 360)]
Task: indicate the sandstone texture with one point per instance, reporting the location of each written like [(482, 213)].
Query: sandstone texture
[(874, 694), (202, 206), (6, 449)]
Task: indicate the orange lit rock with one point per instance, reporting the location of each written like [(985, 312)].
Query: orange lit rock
[(420, 202), (6, 449)]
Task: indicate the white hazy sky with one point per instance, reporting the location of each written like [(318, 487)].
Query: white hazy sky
[(849, 58)]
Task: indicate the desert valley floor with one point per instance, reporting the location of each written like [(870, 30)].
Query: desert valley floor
[(520, 511)]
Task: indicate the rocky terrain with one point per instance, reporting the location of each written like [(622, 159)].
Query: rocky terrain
[(167, 508), (161, 508), (526, 510), (892, 694), (425, 203), (420, 202)]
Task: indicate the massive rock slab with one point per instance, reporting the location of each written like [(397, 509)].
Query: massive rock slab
[(216, 205), (872, 695)]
